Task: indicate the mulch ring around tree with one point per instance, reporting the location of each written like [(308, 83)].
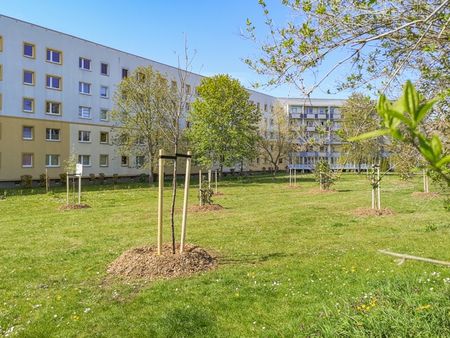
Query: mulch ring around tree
[(143, 263), (373, 212), (206, 208), (422, 194), (74, 207)]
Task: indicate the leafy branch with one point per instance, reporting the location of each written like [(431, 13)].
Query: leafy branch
[(402, 121)]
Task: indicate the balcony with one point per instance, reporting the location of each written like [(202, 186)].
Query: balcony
[(309, 128), (310, 116)]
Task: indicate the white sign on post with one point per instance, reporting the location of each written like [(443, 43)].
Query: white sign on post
[(79, 169)]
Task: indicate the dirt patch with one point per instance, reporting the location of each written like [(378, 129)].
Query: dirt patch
[(205, 208), (143, 263), (373, 212), (74, 207), (293, 187), (422, 194), (218, 193)]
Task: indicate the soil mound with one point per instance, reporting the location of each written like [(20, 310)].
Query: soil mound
[(144, 263), (373, 212), (74, 207), (205, 208)]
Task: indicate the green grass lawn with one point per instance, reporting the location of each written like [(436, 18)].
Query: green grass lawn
[(292, 262)]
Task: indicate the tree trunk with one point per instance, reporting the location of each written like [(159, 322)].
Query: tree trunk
[(221, 170), (174, 197), (150, 172)]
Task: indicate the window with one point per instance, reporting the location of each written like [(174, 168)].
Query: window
[(28, 105), (54, 56), (104, 115), (124, 73), (27, 160), (84, 112), (188, 89), (84, 136), (28, 77), (140, 160), (52, 160), (124, 161), (1, 72), (257, 105), (27, 133), (84, 88), (104, 137), (104, 92), (1, 43), (104, 69), (54, 82), (174, 85), (52, 134), (85, 160), (265, 107), (52, 108), (29, 50), (104, 160), (84, 63)]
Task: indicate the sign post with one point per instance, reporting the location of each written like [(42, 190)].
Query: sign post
[(185, 201), (79, 173)]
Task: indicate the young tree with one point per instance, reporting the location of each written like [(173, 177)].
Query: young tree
[(180, 95), (377, 41), (277, 136), (141, 102), (224, 123), (359, 116)]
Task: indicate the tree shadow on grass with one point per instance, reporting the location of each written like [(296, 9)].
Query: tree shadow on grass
[(252, 258), (187, 322)]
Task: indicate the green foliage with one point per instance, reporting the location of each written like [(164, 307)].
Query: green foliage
[(359, 116), (402, 121), (206, 196), (224, 123), (324, 175), (143, 101), (371, 43), (26, 181)]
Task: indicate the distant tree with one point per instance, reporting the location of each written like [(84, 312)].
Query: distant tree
[(359, 116), (140, 104), (376, 42), (277, 136), (224, 123)]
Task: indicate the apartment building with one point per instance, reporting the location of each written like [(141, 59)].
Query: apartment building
[(56, 94)]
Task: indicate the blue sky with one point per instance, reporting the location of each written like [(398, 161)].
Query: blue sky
[(156, 30)]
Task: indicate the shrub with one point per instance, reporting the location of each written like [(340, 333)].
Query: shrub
[(43, 180), (115, 178), (206, 196), (26, 181), (101, 178), (63, 178), (143, 178), (92, 178), (324, 175)]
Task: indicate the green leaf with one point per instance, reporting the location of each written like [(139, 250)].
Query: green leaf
[(443, 161), (410, 100), (370, 134), (436, 146), (424, 108)]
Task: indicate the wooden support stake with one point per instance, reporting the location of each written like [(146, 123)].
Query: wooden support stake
[(46, 181), (68, 188), (200, 187), (185, 202), (422, 259), (160, 199), (378, 188), (215, 174), (79, 189), (209, 179)]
